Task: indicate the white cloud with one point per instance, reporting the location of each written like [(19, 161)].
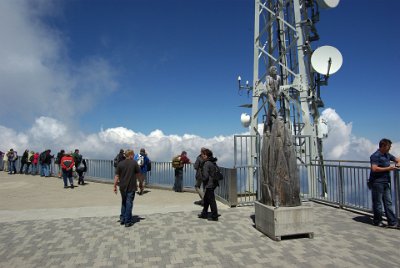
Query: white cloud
[(341, 144), (47, 132), (36, 76)]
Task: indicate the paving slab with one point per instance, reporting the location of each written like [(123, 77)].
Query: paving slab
[(167, 232)]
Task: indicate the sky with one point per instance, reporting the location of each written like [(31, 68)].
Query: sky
[(100, 75)]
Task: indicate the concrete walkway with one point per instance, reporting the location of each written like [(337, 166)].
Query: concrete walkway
[(44, 225)]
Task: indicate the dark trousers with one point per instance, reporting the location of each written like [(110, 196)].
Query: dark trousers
[(81, 177), (209, 201), (22, 167), (178, 185), (126, 206), (382, 197)]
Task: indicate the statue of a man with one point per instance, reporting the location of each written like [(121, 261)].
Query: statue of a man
[(273, 81)]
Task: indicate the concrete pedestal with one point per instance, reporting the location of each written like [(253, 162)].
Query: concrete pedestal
[(284, 221)]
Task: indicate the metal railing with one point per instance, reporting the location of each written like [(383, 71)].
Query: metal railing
[(346, 182), (347, 185)]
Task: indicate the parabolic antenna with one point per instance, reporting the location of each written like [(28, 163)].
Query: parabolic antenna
[(326, 60), (328, 3), (245, 119)]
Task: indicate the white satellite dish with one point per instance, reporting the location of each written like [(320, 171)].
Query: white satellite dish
[(328, 3), (326, 60), (245, 119)]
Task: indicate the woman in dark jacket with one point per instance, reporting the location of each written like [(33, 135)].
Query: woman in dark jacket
[(210, 185), (24, 161)]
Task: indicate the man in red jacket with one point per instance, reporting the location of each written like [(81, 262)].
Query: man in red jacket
[(67, 163)]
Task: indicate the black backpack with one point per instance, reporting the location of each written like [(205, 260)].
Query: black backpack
[(58, 158), (42, 157), (118, 159), (149, 165), (216, 174)]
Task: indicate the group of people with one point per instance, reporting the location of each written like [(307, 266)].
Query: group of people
[(40, 163), (68, 163), (144, 165), (129, 171), (131, 174), (30, 162)]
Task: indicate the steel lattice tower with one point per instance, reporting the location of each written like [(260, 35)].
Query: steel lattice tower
[(283, 35)]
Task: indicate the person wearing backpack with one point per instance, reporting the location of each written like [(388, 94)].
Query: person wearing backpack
[(24, 161), (178, 162), (119, 157), (198, 166), (29, 162), (60, 154), (78, 160), (143, 162), (12, 157), (81, 169), (208, 172), (45, 161), (67, 165)]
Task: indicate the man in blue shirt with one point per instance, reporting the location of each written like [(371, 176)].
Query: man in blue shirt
[(380, 181)]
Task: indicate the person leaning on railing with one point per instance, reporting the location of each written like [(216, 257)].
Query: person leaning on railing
[(380, 184)]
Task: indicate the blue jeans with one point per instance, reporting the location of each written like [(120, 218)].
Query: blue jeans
[(381, 194), (11, 167), (178, 185), (34, 169), (45, 170), (67, 174), (126, 206), (26, 171)]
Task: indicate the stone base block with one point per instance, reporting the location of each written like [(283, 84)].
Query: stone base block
[(284, 221)]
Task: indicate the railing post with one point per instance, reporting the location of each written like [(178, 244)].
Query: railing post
[(341, 187), (232, 187), (396, 184)]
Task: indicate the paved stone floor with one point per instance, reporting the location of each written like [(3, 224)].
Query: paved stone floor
[(44, 225)]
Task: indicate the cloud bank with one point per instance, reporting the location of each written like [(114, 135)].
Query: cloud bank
[(50, 133)]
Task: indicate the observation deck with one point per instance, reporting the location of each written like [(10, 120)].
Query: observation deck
[(44, 225)]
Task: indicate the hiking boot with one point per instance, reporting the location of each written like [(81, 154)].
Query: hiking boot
[(202, 216)]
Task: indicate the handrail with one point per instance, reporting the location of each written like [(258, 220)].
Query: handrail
[(346, 182)]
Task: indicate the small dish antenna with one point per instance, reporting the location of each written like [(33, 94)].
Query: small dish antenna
[(326, 60), (245, 119), (328, 3)]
